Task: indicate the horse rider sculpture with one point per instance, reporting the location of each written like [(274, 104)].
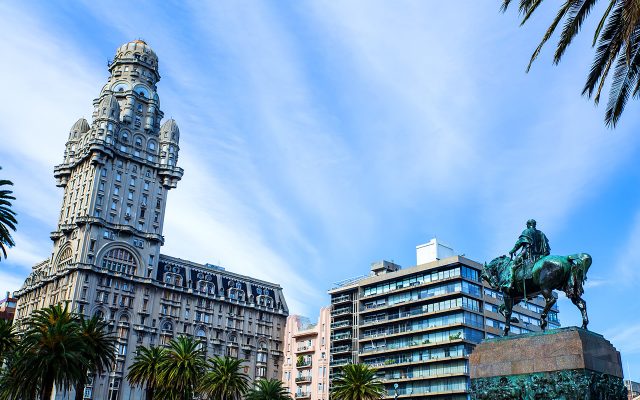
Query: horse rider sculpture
[(534, 245)]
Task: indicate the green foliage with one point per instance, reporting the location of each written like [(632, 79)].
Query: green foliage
[(224, 379), (7, 338), (182, 368), (57, 347), (616, 41), (357, 382), (98, 348), (268, 389), (8, 220), (145, 369)]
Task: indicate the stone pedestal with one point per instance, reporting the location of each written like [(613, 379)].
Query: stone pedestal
[(560, 364)]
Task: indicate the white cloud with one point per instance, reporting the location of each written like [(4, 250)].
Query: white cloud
[(625, 338)]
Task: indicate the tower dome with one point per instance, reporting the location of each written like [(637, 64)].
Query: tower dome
[(169, 132), (136, 51), (81, 126), (109, 108)]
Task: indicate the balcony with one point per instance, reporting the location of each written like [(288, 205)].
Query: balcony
[(338, 363), (341, 311), (340, 324), (303, 379), (341, 336), (303, 364), (306, 349), (341, 299), (341, 349), (303, 395)]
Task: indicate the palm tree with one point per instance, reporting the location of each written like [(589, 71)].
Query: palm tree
[(357, 382), (183, 368), (224, 379), (145, 369), (51, 351), (7, 217), (12, 385), (99, 348), (268, 389), (618, 46), (7, 338)]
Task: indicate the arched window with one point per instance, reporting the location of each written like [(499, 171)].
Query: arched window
[(167, 326), (120, 260), (152, 146), (138, 141), (64, 259), (237, 294), (125, 137), (99, 314)]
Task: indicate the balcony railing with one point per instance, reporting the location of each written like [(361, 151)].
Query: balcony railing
[(372, 306), (341, 311), (303, 379), (413, 313), (303, 349), (341, 336), (383, 347), (340, 324), (341, 349), (303, 364), (337, 363), (341, 299), (303, 395)]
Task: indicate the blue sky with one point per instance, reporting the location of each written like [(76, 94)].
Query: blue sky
[(317, 137)]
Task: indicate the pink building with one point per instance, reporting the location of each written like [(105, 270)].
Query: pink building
[(306, 356)]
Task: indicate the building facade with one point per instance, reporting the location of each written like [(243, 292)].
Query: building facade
[(8, 307), (306, 352), (116, 174), (418, 325)]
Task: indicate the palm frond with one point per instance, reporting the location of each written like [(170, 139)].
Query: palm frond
[(596, 34), (625, 78), (528, 10), (578, 11), (561, 13), (608, 48)]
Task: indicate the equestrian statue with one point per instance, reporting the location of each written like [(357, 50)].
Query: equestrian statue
[(531, 270)]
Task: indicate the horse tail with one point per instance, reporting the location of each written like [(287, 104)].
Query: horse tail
[(580, 264)]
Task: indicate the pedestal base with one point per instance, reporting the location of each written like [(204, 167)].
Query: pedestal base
[(560, 364)]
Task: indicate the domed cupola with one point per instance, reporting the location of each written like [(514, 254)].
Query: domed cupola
[(78, 129), (109, 108), (136, 52)]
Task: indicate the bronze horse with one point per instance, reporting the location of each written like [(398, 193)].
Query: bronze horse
[(565, 273)]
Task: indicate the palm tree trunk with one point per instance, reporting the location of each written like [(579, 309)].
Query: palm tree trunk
[(79, 391), (47, 387), (149, 393)]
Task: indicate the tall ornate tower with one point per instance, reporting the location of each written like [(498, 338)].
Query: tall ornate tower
[(106, 257), (117, 172)]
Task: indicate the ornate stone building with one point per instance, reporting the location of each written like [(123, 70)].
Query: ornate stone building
[(106, 260)]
